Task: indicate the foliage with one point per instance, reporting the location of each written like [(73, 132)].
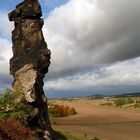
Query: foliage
[(129, 100), (107, 103), (61, 110), (125, 102), (137, 105), (71, 111), (11, 108), (122, 101), (13, 129)]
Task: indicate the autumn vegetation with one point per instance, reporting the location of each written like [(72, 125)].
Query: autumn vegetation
[(14, 116), (123, 102), (14, 129), (60, 110)]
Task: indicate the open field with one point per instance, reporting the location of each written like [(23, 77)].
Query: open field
[(107, 123)]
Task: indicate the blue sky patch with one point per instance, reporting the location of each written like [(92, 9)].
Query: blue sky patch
[(47, 5)]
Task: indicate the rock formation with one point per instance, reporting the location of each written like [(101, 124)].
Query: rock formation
[(30, 62)]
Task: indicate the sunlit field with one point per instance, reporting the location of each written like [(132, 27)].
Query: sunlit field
[(97, 118)]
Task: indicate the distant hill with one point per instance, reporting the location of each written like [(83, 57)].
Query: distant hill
[(128, 95), (100, 96), (97, 96)]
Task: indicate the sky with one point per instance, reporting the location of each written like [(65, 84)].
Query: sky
[(95, 46)]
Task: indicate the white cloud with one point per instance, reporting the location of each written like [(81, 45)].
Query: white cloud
[(5, 55), (119, 74), (6, 26), (87, 33), (66, 29), (93, 43)]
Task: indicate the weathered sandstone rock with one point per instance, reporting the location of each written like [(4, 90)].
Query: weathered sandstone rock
[(30, 62)]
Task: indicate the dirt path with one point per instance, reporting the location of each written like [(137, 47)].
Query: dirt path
[(103, 122)]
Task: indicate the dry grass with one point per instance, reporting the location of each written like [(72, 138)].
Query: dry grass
[(104, 122)]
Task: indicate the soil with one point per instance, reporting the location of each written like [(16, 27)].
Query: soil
[(107, 123)]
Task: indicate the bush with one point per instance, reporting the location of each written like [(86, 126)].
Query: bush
[(129, 100), (11, 108), (61, 110), (119, 102), (107, 104), (13, 129), (71, 111), (122, 101), (137, 105), (65, 110)]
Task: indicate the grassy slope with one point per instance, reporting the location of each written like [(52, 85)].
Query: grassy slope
[(72, 136)]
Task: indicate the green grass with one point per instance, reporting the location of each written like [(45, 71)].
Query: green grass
[(73, 136), (124, 103)]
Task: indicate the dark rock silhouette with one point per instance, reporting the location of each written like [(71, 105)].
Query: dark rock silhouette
[(30, 62)]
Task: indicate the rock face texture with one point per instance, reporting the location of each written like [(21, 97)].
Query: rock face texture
[(30, 62)]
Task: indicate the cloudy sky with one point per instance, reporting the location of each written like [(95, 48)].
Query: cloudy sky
[(95, 46)]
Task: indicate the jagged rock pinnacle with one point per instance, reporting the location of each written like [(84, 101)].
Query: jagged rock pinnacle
[(30, 62)]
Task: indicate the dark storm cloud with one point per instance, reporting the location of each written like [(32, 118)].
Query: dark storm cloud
[(95, 47), (5, 79), (5, 82), (120, 77), (92, 91), (84, 34)]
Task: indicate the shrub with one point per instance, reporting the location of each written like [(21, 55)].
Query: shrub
[(13, 129), (137, 105), (58, 111), (129, 100), (11, 108), (122, 101), (65, 110), (119, 102), (71, 111), (107, 104), (61, 110)]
